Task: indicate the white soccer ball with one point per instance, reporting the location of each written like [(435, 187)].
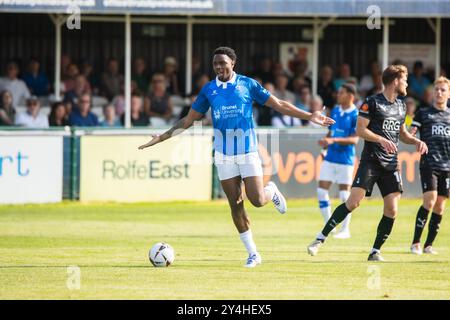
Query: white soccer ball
[(161, 255)]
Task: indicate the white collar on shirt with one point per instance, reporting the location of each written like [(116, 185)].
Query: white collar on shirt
[(231, 81), (352, 107)]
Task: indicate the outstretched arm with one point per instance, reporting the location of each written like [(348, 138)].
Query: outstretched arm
[(289, 109), (343, 141), (408, 138), (178, 127)]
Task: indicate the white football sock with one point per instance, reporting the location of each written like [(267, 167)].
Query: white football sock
[(247, 240), (343, 196), (324, 203), (270, 190)]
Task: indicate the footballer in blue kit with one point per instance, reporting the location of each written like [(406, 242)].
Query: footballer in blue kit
[(230, 97), (338, 163)]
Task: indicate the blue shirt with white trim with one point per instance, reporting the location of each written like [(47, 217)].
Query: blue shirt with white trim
[(345, 126), (231, 110)]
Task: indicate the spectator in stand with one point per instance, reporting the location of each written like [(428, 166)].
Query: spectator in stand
[(281, 121), (299, 84), (277, 69), (316, 105), (158, 104), (119, 101), (82, 116), (417, 82), (57, 116), (281, 91), (138, 117), (264, 112), (170, 72), (140, 75), (32, 118), (87, 70), (410, 111), (377, 85), (109, 117), (13, 84), (344, 76), (325, 87), (7, 110), (36, 80), (71, 75), (368, 81), (196, 70), (66, 60), (264, 71), (81, 86), (112, 80), (299, 72), (197, 86), (427, 99)]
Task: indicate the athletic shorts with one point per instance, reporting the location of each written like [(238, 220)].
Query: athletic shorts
[(388, 181), (244, 165), (336, 172), (433, 180)]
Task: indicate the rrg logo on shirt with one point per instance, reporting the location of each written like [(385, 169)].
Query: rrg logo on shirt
[(440, 130), (391, 125)]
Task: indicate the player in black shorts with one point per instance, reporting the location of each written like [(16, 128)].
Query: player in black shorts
[(381, 125), (433, 123)]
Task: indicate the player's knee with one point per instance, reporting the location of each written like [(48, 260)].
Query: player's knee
[(258, 201), (352, 204), (429, 203)]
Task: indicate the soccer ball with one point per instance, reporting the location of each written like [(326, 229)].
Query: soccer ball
[(161, 255)]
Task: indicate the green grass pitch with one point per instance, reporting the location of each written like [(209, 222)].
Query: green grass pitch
[(110, 243)]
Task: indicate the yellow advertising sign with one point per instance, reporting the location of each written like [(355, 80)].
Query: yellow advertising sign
[(113, 169)]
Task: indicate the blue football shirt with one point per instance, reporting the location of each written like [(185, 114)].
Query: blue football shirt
[(344, 126), (231, 111)]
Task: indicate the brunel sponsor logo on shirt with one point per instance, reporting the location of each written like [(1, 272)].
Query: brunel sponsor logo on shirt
[(233, 111), (440, 130), (390, 124), (153, 169)]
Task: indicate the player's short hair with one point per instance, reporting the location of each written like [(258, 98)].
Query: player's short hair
[(442, 80), (350, 88), (392, 72), (226, 51)]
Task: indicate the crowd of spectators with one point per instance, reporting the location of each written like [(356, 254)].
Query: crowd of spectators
[(158, 100)]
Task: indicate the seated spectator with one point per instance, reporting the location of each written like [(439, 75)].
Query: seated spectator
[(427, 99), (301, 88), (277, 69), (36, 80), (111, 80), (377, 85), (344, 76), (264, 117), (109, 117), (7, 110), (82, 115), (138, 117), (57, 116), (66, 60), (316, 105), (171, 75), (87, 70), (140, 75), (281, 91), (69, 79), (367, 81), (264, 71), (81, 86), (417, 82), (13, 84), (410, 111), (32, 118), (299, 69), (119, 101), (199, 83), (282, 121), (158, 104), (326, 88)]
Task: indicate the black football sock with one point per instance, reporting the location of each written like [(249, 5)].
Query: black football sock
[(337, 217), (383, 231), (421, 220), (433, 228)]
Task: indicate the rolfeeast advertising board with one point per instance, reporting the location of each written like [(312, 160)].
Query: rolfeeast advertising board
[(31, 169), (113, 169)]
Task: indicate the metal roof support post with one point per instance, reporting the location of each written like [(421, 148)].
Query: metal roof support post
[(385, 43), (189, 42), (315, 66), (58, 21), (127, 71), (438, 48)]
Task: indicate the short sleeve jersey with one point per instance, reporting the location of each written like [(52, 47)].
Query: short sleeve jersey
[(344, 126), (434, 128), (231, 110), (386, 119)]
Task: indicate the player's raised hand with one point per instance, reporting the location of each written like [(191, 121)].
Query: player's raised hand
[(319, 118), (421, 147), (388, 145), (155, 139)]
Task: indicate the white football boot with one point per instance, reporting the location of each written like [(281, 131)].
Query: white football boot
[(253, 260), (416, 249), (278, 199)]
